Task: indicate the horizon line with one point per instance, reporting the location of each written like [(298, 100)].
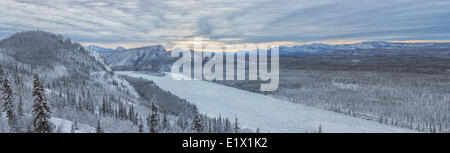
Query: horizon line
[(285, 43)]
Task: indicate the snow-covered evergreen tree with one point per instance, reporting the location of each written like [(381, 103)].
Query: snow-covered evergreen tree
[(2, 76), (20, 107), (141, 126), (75, 125), (99, 128), (154, 121), (41, 111), (72, 128), (180, 122), (8, 105), (214, 125), (197, 123), (132, 115), (165, 121), (227, 126), (236, 125), (219, 125)]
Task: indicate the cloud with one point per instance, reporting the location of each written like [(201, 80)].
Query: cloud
[(233, 21), (204, 27)]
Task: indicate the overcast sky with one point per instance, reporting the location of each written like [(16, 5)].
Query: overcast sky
[(168, 22)]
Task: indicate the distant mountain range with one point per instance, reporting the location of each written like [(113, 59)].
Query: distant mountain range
[(104, 50), (318, 48), (150, 58), (156, 58)]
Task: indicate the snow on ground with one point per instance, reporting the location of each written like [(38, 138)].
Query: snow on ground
[(255, 110), (122, 83), (65, 126), (97, 56), (347, 86)]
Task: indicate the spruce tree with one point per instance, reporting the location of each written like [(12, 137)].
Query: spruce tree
[(227, 127), (149, 121), (209, 126), (103, 110), (180, 122), (121, 111), (8, 105), (236, 125), (219, 124), (197, 123), (72, 128), (141, 126), (41, 111), (2, 76), (215, 127), (20, 107), (165, 121), (75, 124), (185, 123), (154, 122), (98, 129), (131, 114)]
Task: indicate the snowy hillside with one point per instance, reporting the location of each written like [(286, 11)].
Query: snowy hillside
[(65, 126), (72, 86), (154, 58), (75, 79), (105, 51), (260, 111)]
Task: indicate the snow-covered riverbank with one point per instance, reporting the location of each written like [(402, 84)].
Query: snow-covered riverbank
[(255, 110)]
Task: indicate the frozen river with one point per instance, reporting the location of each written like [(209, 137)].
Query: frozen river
[(256, 110)]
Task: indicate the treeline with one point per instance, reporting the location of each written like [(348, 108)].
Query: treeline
[(158, 120), (187, 116)]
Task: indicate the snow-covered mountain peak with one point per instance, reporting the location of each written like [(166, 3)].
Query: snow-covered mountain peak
[(154, 58)]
